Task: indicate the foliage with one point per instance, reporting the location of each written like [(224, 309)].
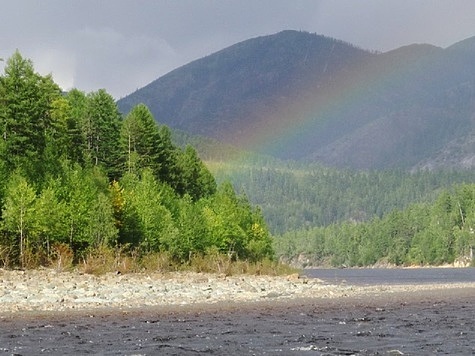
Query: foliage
[(422, 234), (25, 120), (293, 196), (79, 184), (18, 215)]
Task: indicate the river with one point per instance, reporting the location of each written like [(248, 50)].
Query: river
[(422, 323), (375, 276)]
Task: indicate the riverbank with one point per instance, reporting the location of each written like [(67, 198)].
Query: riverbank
[(48, 290)]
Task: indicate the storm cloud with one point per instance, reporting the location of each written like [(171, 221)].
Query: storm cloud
[(121, 45)]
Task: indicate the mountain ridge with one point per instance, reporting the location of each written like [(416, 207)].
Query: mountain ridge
[(303, 96)]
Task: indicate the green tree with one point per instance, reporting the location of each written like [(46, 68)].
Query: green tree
[(194, 178), (259, 244), (101, 226), (145, 144), (146, 213), (234, 227), (141, 141), (59, 140), (19, 215), (223, 222), (79, 127), (167, 156), (49, 221), (192, 233), (25, 115), (102, 129), (81, 191)]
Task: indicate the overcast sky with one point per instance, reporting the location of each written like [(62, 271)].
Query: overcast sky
[(122, 45)]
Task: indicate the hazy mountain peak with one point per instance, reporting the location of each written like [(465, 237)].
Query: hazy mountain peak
[(464, 45), (305, 96)]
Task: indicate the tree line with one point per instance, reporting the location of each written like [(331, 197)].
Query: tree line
[(74, 172), (296, 196), (341, 217), (422, 234)]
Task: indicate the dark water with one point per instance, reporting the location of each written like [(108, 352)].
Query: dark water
[(423, 323), (370, 276)]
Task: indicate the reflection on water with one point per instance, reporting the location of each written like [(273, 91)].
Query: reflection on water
[(375, 276)]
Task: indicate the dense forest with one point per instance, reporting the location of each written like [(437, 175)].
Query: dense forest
[(313, 195), (77, 175), (327, 216), (422, 234)]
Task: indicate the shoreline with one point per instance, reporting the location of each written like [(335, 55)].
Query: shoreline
[(46, 292), (381, 302), (377, 266)]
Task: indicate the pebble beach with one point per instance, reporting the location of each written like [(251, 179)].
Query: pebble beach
[(49, 290)]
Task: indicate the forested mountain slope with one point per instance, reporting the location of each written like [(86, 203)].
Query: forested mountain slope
[(312, 98), (434, 233), (296, 196)]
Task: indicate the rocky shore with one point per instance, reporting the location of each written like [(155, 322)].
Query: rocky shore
[(49, 290)]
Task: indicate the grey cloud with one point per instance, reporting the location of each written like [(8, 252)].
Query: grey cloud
[(122, 45), (109, 59)]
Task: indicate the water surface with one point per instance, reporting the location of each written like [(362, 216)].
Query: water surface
[(422, 323), (375, 276)]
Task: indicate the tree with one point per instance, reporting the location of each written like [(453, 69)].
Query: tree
[(222, 219), (167, 156), (73, 173), (101, 226), (145, 144), (103, 132), (81, 191), (192, 232), (194, 178), (18, 214), (25, 115), (151, 222), (141, 141), (259, 242), (49, 220), (79, 126)]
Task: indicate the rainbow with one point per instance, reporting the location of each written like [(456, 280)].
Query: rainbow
[(291, 123)]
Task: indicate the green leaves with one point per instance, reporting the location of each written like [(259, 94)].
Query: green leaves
[(147, 213), (19, 213), (103, 132), (234, 228), (50, 222), (141, 142), (422, 234), (194, 178), (85, 178), (146, 145), (25, 102)]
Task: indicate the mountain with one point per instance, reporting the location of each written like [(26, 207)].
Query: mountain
[(302, 96)]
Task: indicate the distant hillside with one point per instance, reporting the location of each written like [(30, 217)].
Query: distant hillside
[(308, 97)]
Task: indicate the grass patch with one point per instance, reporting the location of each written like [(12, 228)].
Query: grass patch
[(222, 264), (104, 259), (62, 257), (158, 262)]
